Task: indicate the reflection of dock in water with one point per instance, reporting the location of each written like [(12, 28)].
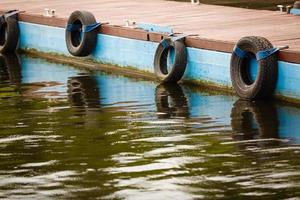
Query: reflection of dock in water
[(171, 101)]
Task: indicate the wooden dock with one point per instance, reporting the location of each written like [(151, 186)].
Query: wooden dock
[(210, 22)]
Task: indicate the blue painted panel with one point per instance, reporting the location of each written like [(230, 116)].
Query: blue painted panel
[(203, 65), (295, 11), (154, 28), (125, 52), (171, 59), (208, 65), (288, 79), (253, 69), (42, 38)]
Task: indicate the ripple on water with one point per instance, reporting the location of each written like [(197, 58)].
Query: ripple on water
[(160, 164), (39, 164), (104, 136), (175, 138), (14, 138)]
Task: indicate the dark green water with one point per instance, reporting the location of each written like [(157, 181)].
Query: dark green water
[(66, 133)]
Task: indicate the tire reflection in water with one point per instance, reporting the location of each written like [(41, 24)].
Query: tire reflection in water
[(83, 95), (254, 120), (10, 69), (83, 91), (171, 101)]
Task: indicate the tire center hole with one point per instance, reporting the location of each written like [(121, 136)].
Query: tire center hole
[(167, 61), (76, 36), (249, 70), (3, 34)]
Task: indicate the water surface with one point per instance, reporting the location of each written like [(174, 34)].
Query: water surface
[(67, 133)]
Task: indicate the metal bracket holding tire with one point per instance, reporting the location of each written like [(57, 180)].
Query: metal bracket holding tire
[(80, 43), (9, 34), (265, 82), (161, 60)]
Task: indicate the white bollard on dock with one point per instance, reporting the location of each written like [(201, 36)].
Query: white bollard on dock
[(197, 2), (280, 8), (49, 12)]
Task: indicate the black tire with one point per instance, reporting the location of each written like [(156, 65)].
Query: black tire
[(263, 113), (171, 101), (161, 57), (264, 85), (10, 69), (83, 91), (297, 5), (9, 35), (81, 45)]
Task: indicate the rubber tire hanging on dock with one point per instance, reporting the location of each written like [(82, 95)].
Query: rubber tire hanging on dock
[(161, 60), (264, 85), (9, 35), (81, 43)]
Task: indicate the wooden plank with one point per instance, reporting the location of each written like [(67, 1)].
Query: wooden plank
[(40, 19), (195, 42), (213, 22)]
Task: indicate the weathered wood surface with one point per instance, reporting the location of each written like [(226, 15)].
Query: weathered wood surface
[(212, 22)]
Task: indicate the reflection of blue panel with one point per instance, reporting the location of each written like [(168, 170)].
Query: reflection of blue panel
[(126, 92), (218, 106), (41, 71), (289, 118), (203, 65), (116, 90)]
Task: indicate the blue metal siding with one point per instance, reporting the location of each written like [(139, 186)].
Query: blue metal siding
[(203, 65)]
